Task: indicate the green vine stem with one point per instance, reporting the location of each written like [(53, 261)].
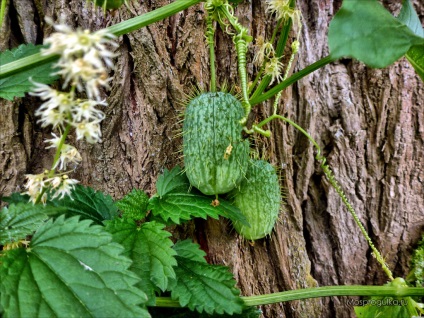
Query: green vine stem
[(2, 12), (354, 290), (292, 79), (210, 34), (330, 177), (117, 29)]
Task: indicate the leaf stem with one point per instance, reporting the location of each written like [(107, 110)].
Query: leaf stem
[(327, 291), (2, 12), (117, 29), (292, 79)]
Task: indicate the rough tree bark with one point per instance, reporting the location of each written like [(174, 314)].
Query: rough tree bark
[(369, 122)]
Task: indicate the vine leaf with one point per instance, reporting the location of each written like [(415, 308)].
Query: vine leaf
[(22, 219), (204, 287), (415, 55), (366, 31), (18, 84), (150, 249), (134, 204), (88, 204), (71, 269), (179, 207), (172, 181)]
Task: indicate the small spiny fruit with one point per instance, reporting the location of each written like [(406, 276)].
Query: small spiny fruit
[(215, 155), (258, 197)]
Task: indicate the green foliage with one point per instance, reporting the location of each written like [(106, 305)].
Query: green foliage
[(203, 287), (18, 84), (88, 204), (174, 202), (366, 31), (108, 4), (415, 55), (150, 249), (16, 197), (22, 219), (72, 269), (134, 204), (417, 265)]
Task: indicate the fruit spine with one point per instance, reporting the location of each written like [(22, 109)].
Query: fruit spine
[(215, 155)]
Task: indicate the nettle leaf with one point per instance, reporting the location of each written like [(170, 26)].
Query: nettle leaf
[(88, 204), (184, 206), (16, 197), (134, 205), (150, 249), (189, 250), (204, 287), (72, 269), (366, 31), (172, 181), (20, 220), (18, 84)]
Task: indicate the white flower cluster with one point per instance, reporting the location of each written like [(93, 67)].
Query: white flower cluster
[(83, 63)]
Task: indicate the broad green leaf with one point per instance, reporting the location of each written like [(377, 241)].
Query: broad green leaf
[(88, 204), (71, 269), (172, 181), (204, 287), (20, 220), (184, 206), (134, 205), (250, 312), (409, 17), (189, 250), (417, 265), (366, 31), (415, 56), (150, 249), (18, 84), (16, 197)]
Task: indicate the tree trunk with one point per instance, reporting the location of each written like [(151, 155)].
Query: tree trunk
[(369, 123)]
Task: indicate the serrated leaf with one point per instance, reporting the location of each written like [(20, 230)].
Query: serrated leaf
[(366, 31), (409, 17), (16, 197), (417, 264), (72, 269), (150, 249), (204, 287), (88, 204), (134, 205), (172, 181), (20, 220), (185, 206), (190, 250), (18, 84)]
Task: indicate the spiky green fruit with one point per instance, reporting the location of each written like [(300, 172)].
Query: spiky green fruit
[(215, 155), (258, 197)]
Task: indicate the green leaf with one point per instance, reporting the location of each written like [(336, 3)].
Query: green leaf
[(366, 31), (134, 205), (189, 250), (71, 269), (409, 17), (20, 220), (19, 84), (204, 287), (184, 206), (172, 181), (88, 204), (150, 249), (417, 264), (16, 197), (415, 56)]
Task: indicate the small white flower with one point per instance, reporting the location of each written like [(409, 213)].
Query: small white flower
[(35, 185), (86, 110), (68, 154), (54, 142), (265, 51), (64, 188), (283, 11), (274, 68), (88, 130)]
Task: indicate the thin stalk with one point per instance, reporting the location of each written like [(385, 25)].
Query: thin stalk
[(354, 290), (292, 79), (210, 31), (117, 29), (2, 12)]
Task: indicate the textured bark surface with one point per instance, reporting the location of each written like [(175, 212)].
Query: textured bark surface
[(369, 123)]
